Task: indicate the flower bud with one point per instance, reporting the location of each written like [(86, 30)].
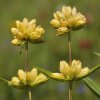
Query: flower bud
[(18, 24), (83, 72), (57, 76), (66, 11), (22, 75), (40, 30), (31, 76), (76, 67), (55, 23), (15, 81), (14, 31), (16, 42), (34, 35), (64, 68), (62, 30), (40, 79)]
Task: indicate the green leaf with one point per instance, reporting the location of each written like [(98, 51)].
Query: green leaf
[(48, 73), (4, 81), (94, 69), (93, 86), (97, 53), (45, 71)]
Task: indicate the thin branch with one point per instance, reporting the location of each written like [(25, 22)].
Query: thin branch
[(26, 54), (30, 95), (69, 48)]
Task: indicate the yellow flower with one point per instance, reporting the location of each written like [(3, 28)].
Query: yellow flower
[(70, 72), (68, 19), (25, 79), (26, 30)]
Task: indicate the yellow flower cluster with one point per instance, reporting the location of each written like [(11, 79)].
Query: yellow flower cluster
[(67, 72), (26, 30), (31, 78), (68, 19)]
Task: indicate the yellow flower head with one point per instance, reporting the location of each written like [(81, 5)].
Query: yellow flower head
[(24, 79), (68, 19), (26, 30), (71, 72)]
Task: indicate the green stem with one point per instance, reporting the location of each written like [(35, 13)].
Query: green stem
[(27, 66), (30, 95), (70, 62), (70, 90), (69, 48), (26, 53)]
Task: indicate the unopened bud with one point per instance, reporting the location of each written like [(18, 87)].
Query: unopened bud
[(22, 75), (62, 30), (83, 72), (16, 42), (57, 76), (55, 23), (15, 81), (40, 79)]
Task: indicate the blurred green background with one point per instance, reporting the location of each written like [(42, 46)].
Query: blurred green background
[(84, 43)]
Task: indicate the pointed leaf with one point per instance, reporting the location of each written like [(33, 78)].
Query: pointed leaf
[(45, 71), (48, 73), (97, 53), (4, 81), (93, 86), (94, 69)]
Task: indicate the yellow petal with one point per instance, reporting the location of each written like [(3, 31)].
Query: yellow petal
[(57, 76), (33, 21), (64, 68), (25, 21), (40, 79), (55, 23), (17, 23), (62, 30), (15, 81), (60, 15), (76, 66), (22, 75), (16, 42), (84, 71), (74, 11), (67, 11), (40, 30), (31, 76), (34, 35), (14, 31)]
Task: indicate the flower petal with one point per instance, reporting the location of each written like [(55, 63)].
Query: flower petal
[(22, 75), (41, 78), (58, 76), (84, 71), (64, 68)]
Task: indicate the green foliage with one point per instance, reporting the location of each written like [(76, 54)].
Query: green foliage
[(93, 86), (97, 53)]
